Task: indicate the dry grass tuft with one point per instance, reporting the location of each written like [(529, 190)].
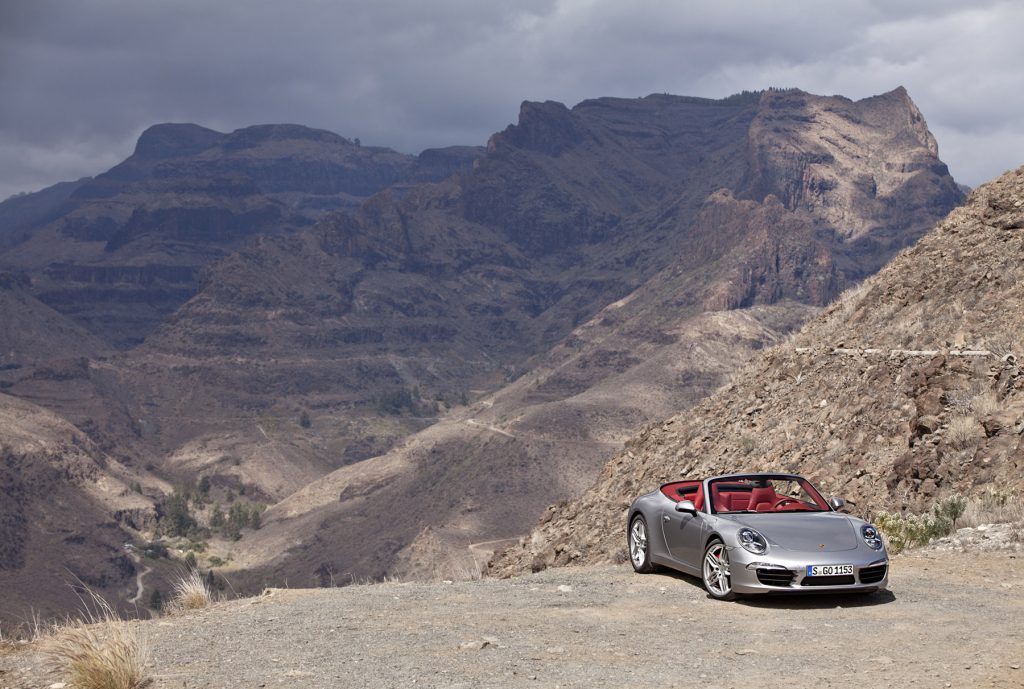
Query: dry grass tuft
[(963, 432), (985, 404), (993, 508), (191, 592), (99, 652)]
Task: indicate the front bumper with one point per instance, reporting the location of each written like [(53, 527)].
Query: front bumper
[(757, 574)]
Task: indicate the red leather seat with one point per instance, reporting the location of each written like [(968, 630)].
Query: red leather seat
[(762, 499), (728, 501)]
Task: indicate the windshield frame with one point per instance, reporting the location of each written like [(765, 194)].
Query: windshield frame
[(737, 480)]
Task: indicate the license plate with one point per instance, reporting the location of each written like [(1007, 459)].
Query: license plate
[(828, 570)]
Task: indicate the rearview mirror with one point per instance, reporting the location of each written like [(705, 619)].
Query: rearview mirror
[(686, 506), (837, 503)]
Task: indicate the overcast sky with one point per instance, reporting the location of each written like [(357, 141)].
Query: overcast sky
[(80, 79)]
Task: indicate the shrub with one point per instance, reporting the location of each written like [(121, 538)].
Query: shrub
[(904, 531), (994, 508), (99, 652), (950, 509), (962, 432), (985, 404), (177, 519), (191, 592), (304, 419)]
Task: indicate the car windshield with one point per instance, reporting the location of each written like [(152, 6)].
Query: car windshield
[(769, 494)]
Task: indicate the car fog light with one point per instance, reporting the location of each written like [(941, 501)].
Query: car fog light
[(752, 541)]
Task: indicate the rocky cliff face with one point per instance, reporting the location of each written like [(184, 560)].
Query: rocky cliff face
[(880, 399), (121, 251)]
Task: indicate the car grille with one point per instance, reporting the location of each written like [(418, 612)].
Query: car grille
[(840, 580), (873, 575), (774, 577)]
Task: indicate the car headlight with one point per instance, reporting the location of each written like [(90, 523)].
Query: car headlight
[(752, 541), (871, 536)]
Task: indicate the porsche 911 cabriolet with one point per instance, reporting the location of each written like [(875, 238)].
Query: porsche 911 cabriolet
[(756, 534)]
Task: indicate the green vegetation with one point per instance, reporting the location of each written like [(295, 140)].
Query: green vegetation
[(178, 520), (904, 531), (240, 516)]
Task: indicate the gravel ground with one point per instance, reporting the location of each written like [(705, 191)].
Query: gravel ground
[(950, 619)]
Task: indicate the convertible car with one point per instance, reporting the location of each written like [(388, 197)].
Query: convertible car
[(755, 534)]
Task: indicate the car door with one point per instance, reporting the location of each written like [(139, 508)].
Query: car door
[(683, 533)]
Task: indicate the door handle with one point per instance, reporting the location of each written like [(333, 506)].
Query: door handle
[(666, 518)]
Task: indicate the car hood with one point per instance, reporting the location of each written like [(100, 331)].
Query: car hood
[(819, 532)]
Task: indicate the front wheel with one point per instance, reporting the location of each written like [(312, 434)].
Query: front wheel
[(717, 577), (640, 546)]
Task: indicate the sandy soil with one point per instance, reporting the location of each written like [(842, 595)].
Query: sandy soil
[(949, 619)]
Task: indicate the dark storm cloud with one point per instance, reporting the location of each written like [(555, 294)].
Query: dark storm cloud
[(81, 80)]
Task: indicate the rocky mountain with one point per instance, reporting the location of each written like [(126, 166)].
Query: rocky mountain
[(470, 349), (121, 251), (649, 303), (907, 389)]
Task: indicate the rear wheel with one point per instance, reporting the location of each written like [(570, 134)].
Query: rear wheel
[(639, 546), (717, 577)]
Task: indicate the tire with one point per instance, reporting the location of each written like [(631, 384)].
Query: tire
[(639, 544), (715, 571)]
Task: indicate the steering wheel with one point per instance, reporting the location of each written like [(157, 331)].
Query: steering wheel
[(784, 501)]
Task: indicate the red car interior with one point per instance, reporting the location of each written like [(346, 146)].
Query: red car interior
[(762, 499), (733, 497), (685, 490)]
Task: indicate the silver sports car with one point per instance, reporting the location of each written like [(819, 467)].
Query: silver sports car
[(756, 533)]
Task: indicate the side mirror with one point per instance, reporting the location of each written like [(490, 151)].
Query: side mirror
[(837, 503), (686, 506)]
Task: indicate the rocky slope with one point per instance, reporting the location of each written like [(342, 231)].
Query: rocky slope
[(120, 251), (65, 513), (907, 389)]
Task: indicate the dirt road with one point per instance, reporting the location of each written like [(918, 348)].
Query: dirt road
[(951, 619), (140, 586)]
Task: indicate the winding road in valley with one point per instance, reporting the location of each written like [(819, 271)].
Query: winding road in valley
[(139, 585)]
